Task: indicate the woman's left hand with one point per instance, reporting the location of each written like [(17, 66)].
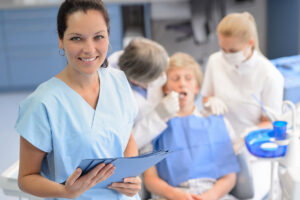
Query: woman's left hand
[(130, 186)]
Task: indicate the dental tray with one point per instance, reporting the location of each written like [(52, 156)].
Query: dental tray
[(260, 143)]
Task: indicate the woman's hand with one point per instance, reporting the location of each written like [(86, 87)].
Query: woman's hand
[(130, 186), (76, 185)]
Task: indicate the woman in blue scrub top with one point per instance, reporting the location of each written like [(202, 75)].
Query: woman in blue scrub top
[(86, 111)]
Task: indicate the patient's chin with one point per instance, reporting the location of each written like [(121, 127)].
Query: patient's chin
[(183, 103)]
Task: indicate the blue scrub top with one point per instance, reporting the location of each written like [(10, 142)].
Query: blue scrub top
[(58, 121)]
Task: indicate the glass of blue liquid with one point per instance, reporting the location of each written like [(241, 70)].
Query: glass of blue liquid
[(279, 128)]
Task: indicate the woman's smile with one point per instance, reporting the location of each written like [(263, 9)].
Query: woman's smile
[(88, 60)]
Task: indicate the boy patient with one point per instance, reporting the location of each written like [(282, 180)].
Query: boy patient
[(202, 165)]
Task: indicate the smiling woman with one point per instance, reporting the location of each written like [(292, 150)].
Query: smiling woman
[(85, 42), (72, 116)]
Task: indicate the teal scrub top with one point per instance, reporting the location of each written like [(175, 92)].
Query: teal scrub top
[(58, 121)]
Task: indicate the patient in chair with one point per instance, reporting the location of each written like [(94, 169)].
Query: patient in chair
[(202, 165)]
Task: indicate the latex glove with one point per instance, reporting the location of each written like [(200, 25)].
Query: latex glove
[(216, 106), (168, 106)]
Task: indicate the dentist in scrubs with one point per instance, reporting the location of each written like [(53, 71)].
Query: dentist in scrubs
[(144, 62), (85, 111), (237, 72)]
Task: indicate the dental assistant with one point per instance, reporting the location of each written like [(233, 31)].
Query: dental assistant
[(237, 72), (73, 115), (144, 62)]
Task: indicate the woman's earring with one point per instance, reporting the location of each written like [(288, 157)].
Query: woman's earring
[(61, 52)]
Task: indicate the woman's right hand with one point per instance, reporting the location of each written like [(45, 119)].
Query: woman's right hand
[(76, 185)]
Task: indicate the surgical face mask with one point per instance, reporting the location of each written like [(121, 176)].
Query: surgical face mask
[(159, 82), (235, 58)]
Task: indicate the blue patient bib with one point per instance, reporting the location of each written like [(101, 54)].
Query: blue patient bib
[(201, 149)]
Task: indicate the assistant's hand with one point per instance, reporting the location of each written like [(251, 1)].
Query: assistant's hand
[(130, 186), (168, 106), (216, 106), (76, 185)]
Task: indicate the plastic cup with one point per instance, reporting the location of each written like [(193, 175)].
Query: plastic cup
[(279, 128)]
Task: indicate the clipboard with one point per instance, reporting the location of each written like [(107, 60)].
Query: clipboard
[(125, 166)]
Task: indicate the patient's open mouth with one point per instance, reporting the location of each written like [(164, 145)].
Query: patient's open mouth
[(182, 95)]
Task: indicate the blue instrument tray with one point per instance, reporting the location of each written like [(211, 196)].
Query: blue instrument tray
[(255, 139)]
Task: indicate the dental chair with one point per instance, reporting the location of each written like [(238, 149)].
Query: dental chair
[(244, 183), (244, 188)]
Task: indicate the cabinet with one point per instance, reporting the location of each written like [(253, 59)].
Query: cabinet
[(116, 27), (4, 75), (283, 25), (29, 45)]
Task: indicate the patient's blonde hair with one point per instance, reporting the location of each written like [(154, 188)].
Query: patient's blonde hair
[(239, 25), (185, 61)]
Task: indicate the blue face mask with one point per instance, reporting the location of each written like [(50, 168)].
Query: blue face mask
[(201, 149)]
